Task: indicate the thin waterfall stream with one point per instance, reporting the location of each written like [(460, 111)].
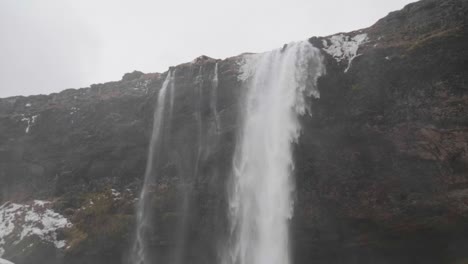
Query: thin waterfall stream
[(188, 185), (139, 254), (213, 99)]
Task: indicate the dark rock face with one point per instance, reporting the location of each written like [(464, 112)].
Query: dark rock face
[(132, 76), (381, 165), (385, 154)]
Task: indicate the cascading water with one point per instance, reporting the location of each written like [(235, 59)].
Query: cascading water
[(139, 252), (171, 92), (188, 184), (213, 99), (261, 203)]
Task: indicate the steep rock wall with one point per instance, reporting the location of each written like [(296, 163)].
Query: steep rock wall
[(381, 166)]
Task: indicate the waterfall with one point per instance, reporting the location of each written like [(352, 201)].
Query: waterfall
[(171, 92), (139, 252), (213, 99), (260, 199), (188, 184)]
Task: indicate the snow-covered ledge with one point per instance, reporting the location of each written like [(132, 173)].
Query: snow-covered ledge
[(342, 47), (20, 221)]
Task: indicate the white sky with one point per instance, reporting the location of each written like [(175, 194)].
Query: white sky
[(50, 45)]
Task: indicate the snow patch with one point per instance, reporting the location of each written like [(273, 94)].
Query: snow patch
[(116, 194), (41, 203), (142, 85), (31, 121), (73, 110), (28, 105), (343, 47), (4, 261), (20, 221)]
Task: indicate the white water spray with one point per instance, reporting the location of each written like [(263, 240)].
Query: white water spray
[(261, 203), (139, 253)]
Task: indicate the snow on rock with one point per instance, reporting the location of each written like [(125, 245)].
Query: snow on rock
[(30, 120), (4, 261), (342, 47), (116, 195), (142, 85), (20, 221), (73, 110)]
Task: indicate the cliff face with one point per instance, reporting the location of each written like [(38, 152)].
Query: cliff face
[(385, 154), (381, 165)]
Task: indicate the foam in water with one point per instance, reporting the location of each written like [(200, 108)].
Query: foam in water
[(261, 203), (139, 253)]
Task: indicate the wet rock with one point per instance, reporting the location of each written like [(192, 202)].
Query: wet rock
[(381, 165)]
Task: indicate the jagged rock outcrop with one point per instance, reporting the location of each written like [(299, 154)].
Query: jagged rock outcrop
[(381, 165)]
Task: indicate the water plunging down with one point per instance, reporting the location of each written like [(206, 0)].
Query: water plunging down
[(187, 185), (261, 203), (139, 252), (213, 99)]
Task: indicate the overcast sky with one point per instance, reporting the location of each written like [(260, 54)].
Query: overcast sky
[(50, 45)]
